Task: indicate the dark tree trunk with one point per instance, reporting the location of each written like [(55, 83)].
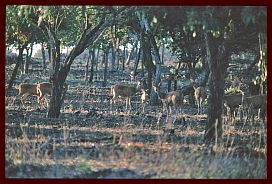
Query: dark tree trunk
[(18, 63), (25, 71), (29, 52), (97, 59), (57, 84), (162, 53), (217, 56), (147, 62), (92, 66), (43, 57), (87, 65), (123, 58), (131, 53), (113, 58), (49, 54), (106, 53), (118, 59), (137, 60)]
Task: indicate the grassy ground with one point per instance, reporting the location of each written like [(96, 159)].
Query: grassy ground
[(89, 141)]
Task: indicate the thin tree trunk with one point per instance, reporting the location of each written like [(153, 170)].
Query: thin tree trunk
[(137, 60), (92, 66), (106, 68), (43, 57), (162, 53), (87, 65), (113, 58), (118, 59), (97, 59), (131, 53), (15, 70), (26, 62), (28, 59), (123, 58)]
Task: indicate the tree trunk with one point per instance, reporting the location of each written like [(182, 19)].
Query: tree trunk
[(123, 58), (106, 53), (28, 58), (87, 65), (118, 59), (18, 63), (92, 66), (131, 53), (162, 53), (25, 71), (57, 84), (137, 60), (97, 59), (43, 57), (147, 62), (217, 57), (113, 58)]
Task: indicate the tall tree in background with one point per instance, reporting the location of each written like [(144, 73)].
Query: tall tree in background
[(52, 19)]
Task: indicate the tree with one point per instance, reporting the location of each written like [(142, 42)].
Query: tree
[(52, 19), (20, 32)]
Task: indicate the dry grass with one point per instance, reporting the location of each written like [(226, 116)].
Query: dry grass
[(107, 145)]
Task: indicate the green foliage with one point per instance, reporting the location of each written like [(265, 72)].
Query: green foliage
[(20, 28), (233, 90)]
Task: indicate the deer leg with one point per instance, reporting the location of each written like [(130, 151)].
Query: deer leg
[(127, 102), (197, 106), (23, 98), (112, 103), (202, 106), (163, 107)]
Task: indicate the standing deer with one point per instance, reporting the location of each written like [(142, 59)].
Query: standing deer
[(232, 102), (125, 91), (200, 96), (256, 102), (25, 90), (144, 96), (46, 88), (173, 98)]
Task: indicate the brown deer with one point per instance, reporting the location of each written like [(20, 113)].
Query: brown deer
[(173, 98), (44, 88), (125, 91), (144, 96), (232, 102), (256, 102), (40, 89), (200, 95), (25, 90)]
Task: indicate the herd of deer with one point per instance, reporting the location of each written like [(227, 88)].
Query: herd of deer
[(39, 89), (169, 99)]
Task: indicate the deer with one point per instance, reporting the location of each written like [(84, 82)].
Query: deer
[(144, 96), (200, 95), (256, 102), (125, 91), (173, 98), (40, 89), (25, 90), (232, 102), (46, 88)]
